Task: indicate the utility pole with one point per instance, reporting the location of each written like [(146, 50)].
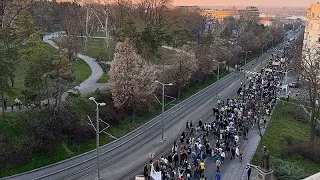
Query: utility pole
[(245, 59), (97, 134), (162, 115)]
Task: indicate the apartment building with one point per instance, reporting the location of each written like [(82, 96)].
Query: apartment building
[(312, 29)]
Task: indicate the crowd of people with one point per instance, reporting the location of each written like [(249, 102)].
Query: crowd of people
[(233, 118)]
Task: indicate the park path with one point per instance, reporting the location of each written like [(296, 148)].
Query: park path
[(90, 85)]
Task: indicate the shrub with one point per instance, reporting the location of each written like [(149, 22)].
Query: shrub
[(317, 132), (289, 139), (284, 170), (109, 113), (298, 114), (304, 149)]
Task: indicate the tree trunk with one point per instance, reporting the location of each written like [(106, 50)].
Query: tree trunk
[(179, 93), (312, 129)]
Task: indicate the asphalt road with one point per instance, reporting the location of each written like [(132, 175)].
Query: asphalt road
[(125, 157)]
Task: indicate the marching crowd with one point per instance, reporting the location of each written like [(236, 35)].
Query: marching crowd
[(232, 119)]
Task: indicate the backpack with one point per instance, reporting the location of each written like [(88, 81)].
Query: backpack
[(218, 176)]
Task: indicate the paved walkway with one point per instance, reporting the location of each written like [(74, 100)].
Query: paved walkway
[(90, 85)]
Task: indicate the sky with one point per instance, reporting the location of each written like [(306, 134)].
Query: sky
[(296, 3)]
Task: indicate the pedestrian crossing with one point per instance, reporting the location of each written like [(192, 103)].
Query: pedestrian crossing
[(250, 72)]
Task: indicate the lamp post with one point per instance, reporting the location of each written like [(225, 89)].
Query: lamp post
[(163, 85), (97, 133), (218, 75), (245, 59)]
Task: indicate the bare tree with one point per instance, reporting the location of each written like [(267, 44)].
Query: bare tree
[(310, 71), (151, 10)]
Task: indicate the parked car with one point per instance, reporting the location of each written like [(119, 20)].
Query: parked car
[(294, 85)]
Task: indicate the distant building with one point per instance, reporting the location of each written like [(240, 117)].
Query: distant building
[(265, 21), (190, 8), (311, 41), (312, 29), (249, 12), (220, 14)]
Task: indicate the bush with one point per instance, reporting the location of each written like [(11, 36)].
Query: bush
[(284, 170), (109, 113), (289, 139), (304, 149), (12, 155), (317, 132), (298, 114), (105, 67)]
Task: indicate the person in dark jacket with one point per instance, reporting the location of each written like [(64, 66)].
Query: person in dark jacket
[(145, 172)]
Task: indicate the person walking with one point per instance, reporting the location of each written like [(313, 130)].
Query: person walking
[(5, 106), (248, 171), (218, 175), (218, 163), (233, 153), (202, 167), (145, 172)]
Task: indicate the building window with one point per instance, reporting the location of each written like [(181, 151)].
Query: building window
[(312, 14), (311, 26), (310, 38)]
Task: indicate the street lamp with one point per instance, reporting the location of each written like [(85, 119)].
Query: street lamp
[(218, 75), (245, 59), (163, 85), (97, 132)]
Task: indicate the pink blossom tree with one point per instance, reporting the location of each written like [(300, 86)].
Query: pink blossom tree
[(132, 79), (183, 67)]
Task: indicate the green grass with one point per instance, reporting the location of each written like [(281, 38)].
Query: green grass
[(20, 72), (81, 70), (280, 126), (104, 78), (97, 48)]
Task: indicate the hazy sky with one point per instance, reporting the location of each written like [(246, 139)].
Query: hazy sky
[(304, 3)]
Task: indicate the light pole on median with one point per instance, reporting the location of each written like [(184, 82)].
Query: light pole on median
[(163, 85), (245, 59), (97, 133), (218, 75)]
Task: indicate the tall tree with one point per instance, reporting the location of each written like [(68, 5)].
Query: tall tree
[(131, 78), (39, 60), (8, 55), (184, 65), (73, 26), (310, 65)]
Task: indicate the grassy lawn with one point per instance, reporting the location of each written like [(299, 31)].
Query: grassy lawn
[(281, 126), (81, 70), (97, 48), (104, 78)]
